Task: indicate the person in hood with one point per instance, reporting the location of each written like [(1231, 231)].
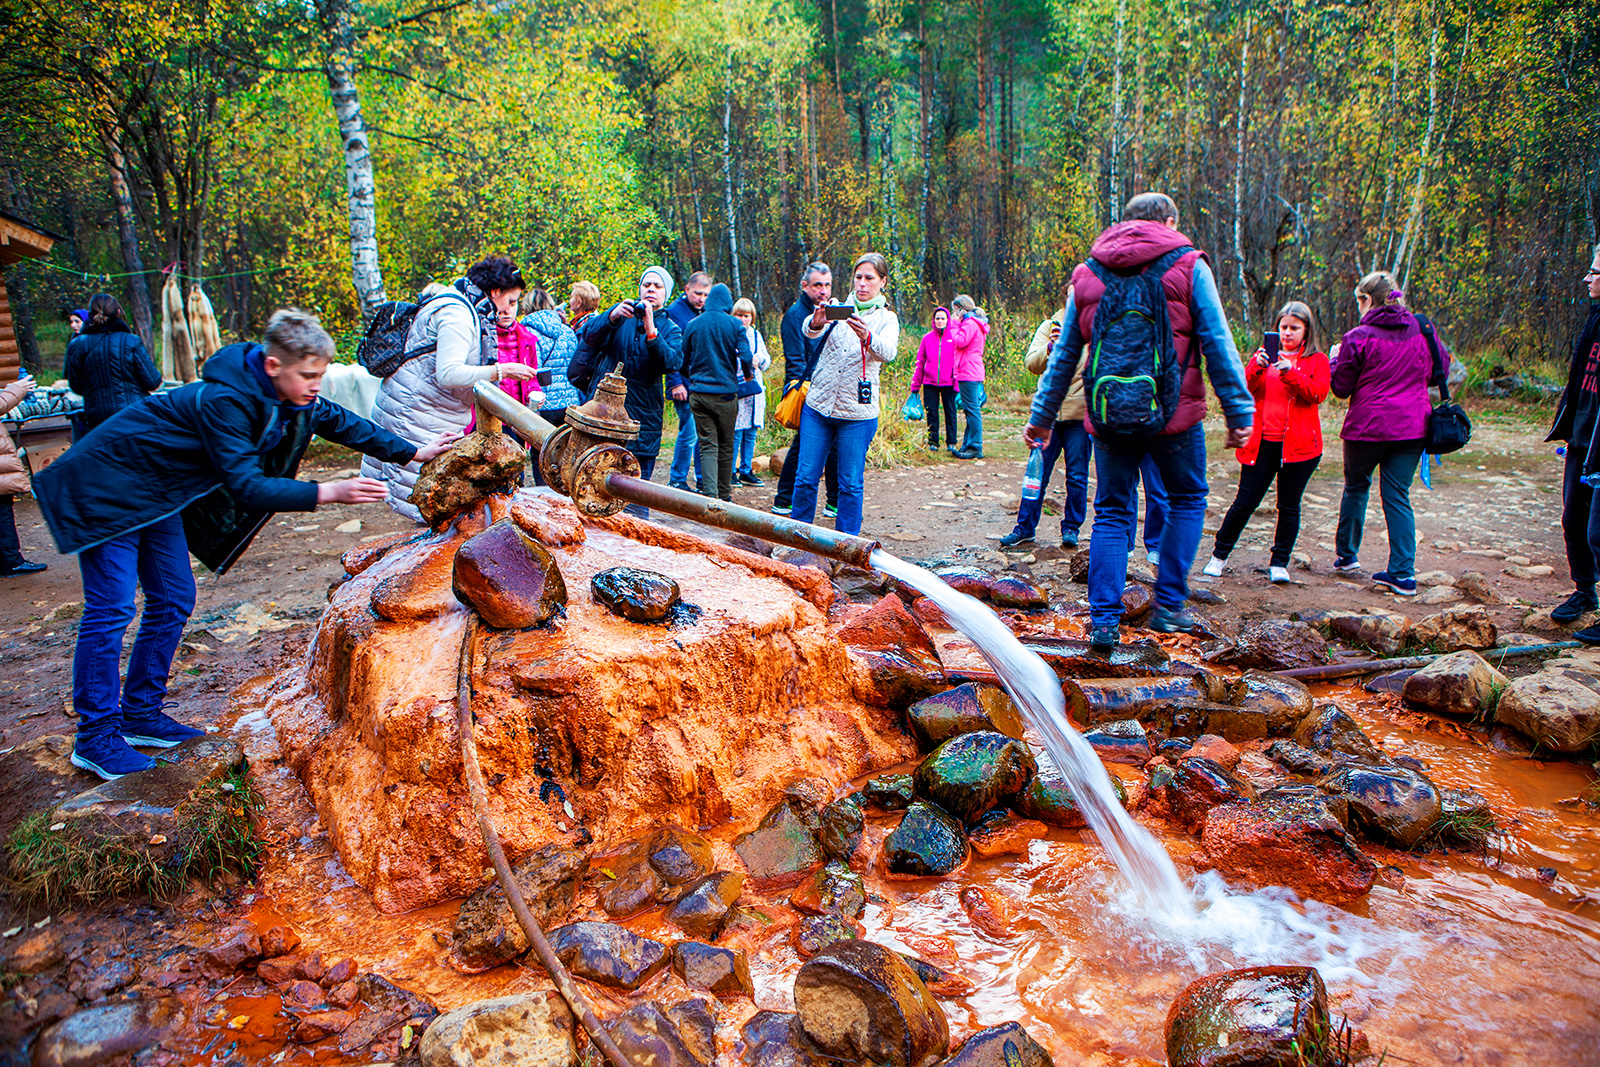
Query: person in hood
[(431, 394), (199, 469), (649, 346), (108, 365), (77, 318), (1577, 420), (686, 448), (1148, 236), (971, 330), (716, 357), (935, 375)]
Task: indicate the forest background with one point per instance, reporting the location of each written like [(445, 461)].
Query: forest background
[(331, 153)]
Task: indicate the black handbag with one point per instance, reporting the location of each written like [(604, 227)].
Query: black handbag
[(1449, 429), (750, 387)]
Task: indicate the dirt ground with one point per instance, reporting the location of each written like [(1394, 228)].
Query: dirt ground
[(1498, 498)]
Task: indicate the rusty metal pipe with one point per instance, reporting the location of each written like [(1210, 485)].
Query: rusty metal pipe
[(1400, 663), (848, 548), (530, 426)]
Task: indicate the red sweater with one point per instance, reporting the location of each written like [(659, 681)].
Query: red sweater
[(1305, 387)]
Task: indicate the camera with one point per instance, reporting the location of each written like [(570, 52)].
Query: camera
[(864, 391), (639, 307)]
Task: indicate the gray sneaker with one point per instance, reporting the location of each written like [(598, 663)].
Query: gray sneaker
[(1171, 621)]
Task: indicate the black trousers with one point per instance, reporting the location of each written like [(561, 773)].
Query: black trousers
[(791, 465), (10, 547), (933, 396), (1580, 525), (714, 419), (1254, 481)]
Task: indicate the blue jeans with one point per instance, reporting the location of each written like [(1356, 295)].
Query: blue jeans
[(1396, 462), (744, 449), (1070, 440), (819, 435), (1155, 506), (686, 447), (971, 395), (647, 470), (1181, 460), (155, 559)]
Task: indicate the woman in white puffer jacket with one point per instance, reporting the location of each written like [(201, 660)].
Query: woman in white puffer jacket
[(431, 393)]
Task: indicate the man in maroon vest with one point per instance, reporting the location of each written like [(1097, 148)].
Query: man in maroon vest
[(1200, 334)]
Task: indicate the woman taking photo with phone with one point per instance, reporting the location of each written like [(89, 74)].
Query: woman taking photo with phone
[(841, 408), (1288, 377)]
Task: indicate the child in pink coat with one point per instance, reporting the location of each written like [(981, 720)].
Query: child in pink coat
[(971, 329), (935, 375)]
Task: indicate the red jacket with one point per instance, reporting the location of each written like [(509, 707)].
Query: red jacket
[(1307, 385)]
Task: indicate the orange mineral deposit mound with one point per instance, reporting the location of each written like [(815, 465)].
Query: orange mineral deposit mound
[(591, 725)]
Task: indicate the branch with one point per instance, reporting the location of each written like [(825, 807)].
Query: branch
[(441, 90), (427, 12), (425, 142)]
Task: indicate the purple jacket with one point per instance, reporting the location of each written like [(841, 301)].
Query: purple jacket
[(1383, 368)]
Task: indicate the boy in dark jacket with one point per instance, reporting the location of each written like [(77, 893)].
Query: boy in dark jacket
[(1578, 424), (200, 469), (716, 358)]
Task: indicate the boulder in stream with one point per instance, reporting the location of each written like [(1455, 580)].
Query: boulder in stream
[(678, 856), (963, 710), (1186, 793), (972, 774), (1330, 731), (858, 1001), (635, 594), (1048, 800), (1094, 701), (840, 825), (703, 910), (104, 1033), (608, 954), (487, 932), (1391, 804), (1384, 632), (891, 792), (1258, 1016), (834, 890), (1462, 685), (928, 841), (1292, 839), (781, 851), (508, 578), (816, 932), (1120, 741), (1006, 1045), (1277, 645), (774, 1039), (1284, 701), (526, 1030), (648, 1035), (1557, 708), (973, 581), (1013, 592)]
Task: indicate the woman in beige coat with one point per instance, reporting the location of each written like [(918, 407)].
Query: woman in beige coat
[(13, 483)]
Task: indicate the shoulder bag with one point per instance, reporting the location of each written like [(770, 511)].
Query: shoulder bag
[(1449, 429)]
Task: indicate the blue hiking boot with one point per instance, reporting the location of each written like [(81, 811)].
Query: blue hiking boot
[(156, 729), (109, 757), (1171, 621), (1103, 639)]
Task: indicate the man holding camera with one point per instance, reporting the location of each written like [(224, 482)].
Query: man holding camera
[(649, 345)]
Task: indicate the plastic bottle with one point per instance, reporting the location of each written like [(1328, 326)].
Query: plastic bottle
[(1033, 477)]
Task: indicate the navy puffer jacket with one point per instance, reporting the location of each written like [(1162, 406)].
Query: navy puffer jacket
[(108, 365)]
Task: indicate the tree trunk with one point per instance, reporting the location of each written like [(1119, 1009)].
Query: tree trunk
[(1238, 175), (1114, 190), (360, 189), (785, 196), (694, 193), (128, 238), (727, 172), (923, 150)]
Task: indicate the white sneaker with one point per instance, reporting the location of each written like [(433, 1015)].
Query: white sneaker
[(1213, 568), (1278, 575), (1154, 558)]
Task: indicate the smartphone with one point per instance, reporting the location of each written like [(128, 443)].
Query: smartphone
[(544, 377), (1273, 345), (838, 312)]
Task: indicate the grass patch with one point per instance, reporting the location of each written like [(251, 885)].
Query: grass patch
[(1591, 796), (1464, 829), (1334, 1046), (217, 834)]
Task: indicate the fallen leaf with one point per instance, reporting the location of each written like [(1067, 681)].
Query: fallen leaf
[(405, 1036), (237, 1022), (57, 826), (158, 839), (13, 932)]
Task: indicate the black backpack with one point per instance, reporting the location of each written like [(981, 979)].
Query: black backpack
[(1449, 429), (383, 348), (1131, 375)]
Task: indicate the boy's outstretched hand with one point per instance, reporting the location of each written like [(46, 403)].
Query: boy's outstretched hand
[(439, 445), (351, 491)]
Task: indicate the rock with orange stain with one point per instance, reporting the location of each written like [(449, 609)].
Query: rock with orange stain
[(859, 1001), (549, 519), (814, 933), (964, 710), (361, 557), (1006, 1045), (723, 971), (1215, 749), (278, 941), (1290, 839), (706, 904), (779, 852), (416, 592), (987, 909), (1006, 836), (834, 890), (929, 613), (508, 578), (312, 1028), (487, 933), (477, 466), (887, 625)]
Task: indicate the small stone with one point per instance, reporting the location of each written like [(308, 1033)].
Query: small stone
[(1436, 578), (1261, 1016), (840, 825), (928, 841), (715, 970), (678, 856), (639, 595), (635, 888), (306, 994), (1094, 701), (1185, 794), (351, 527), (1215, 749), (816, 932), (860, 1002), (1538, 570), (1006, 835), (1050, 801), (1385, 632), (1456, 629), (1006, 1045), (39, 951), (1476, 585), (1298, 760), (278, 941), (1137, 600), (1330, 730), (1276, 646), (892, 792), (101, 1034), (1284, 701), (317, 1025), (527, 1030), (973, 774), (609, 954), (780, 852), (1461, 684), (231, 954), (345, 994), (340, 972), (973, 581), (508, 578), (834, 890), (1517, 561), (965, 709), (648, 1036), (697, 1027), (487, 932), (704, 909), (1122, 741)]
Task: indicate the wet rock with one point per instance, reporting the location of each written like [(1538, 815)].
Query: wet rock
[(97, 1035), (1510, 743), (1192, 718), (1276, 646), (1461, 684), (233, 952), (716, 970), (422, 589), (1308, 792), (858, 1001), (639, 595), (1557, 710), (1072, 659), (278, 941), (940, 982), (1329, 730), (528, 1030), (356, 560), (894, 678), (972, 774), (1120, 741), (1110, 699), (892, 792), (508, 578), (1137, 600), (834, 890), (1388, 681), (774, 1039), (314, 1026), (37, 952), (1292, 839), (609, 954), (963, 710), (1048, 800), (973, 581), (780, 852), (703, 910), (816, 932), (839, 828), (887, 625), (1390, 804), (1018, 593), (1006, 1045), (306, 994), (1258, 1016), (1465, 818), (1296, 759), (678, 856), (928, 841), (345, 994), (1456, 629), (478, 466), (487, 932), (988, 910), (393, 1003), (635, 888), (1215, 749), (1005, 835), (697, 1027), (1184, 794), (1384, 632), (1284, 701)]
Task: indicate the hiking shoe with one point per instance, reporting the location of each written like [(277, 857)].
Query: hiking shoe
[(1574, 608), (1589, 635), (1015, 538), (1347, 566), (1069, 538), (680, 485), (1401, 586), (1154, 558), (750, 479), (969, 453), (1280, 576), (830, 510), (781, 509), (1103, 639), (1171, 621), (933, 446), (27, 566), (156, 729), (109, 757), (1213, 567)]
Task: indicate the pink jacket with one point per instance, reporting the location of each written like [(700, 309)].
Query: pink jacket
[(517, 344), (970, 333), (936, 358)]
